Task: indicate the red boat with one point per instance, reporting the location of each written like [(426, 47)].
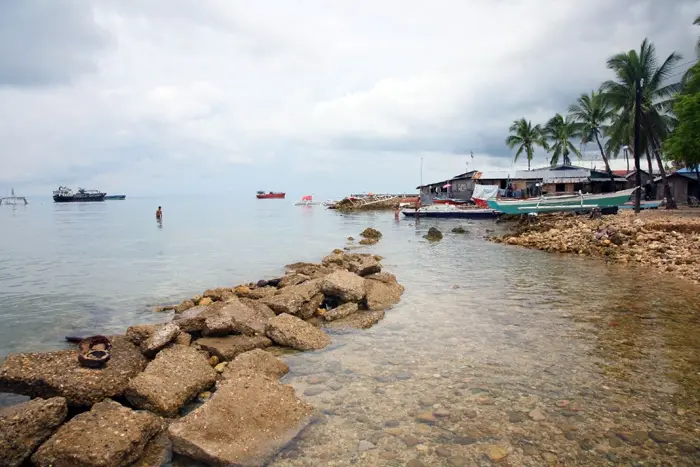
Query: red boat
[(269, 195)]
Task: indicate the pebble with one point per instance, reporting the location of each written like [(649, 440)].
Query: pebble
[(570, 435), (213, 360), (391, 423), (403, 376), (220, 367), (204, 396), (313, 391), (586, 444), (563, 403), (496, 452), (549, 458), (316, 380), (334, 386), (442, 451), (660, 437), (537, 415), (422, 448), (465, 440), (415, 463), (485, 400), (458, 461), (634, 438), (427, 402), (411, 441), (426, 417), (365, 445), (441, 413), (687, 447), (516, 417), (612, 457), (363, 419), (387, 455), (393, 431), (470, 414)]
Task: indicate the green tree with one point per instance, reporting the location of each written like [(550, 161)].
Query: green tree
[(559, 132), (525, 137), (642, 69), (593, 113)]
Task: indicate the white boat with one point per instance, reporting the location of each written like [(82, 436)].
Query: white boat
[(306, 200), (14, 200)]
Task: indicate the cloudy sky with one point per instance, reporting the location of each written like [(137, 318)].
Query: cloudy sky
[(153, 97)]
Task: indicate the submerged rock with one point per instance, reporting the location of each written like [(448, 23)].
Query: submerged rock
[(108, 435), (227, 348), (172, 379), (433, 235), (290, 331), (459, 230), (341, 312), (347, 286), (246, 422), (58, 373), (258, 361), (369, 241), (370, 232), (382, 291), (360, 320), (364, 266), (23, 427)]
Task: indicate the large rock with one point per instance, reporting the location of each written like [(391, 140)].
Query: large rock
[(220, 294), (261, 292), (236, 318), (109, 435), (364, 265), (258, 361), (289, 302), (346, 286), (290, 331), (158, 452), (58, 373), (382, 291), (193, 319), (342, 311), (245, 423), (291, 280), (227, 348), (139, 333), (262, 309), (360, 320), (162, 336), (312, 270), (184, 306), (309, 308), (23, 427), (173, 378)]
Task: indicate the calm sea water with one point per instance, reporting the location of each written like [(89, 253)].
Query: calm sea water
[(484, 335)]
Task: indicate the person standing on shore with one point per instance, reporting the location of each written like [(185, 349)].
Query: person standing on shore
[(159, 213)]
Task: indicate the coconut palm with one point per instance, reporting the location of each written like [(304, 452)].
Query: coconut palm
[(642, 69), (525, 137), (593, 113), (559, 132)]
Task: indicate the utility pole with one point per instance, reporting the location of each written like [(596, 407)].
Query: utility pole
[(637, 122)]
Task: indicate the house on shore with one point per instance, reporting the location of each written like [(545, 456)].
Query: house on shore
[(458, 187), (683, 184), (631, 177)]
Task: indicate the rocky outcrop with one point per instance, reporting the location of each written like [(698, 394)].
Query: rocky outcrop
[(368, 241), (433, 235), (23, 427), (58, 373), (109, 435), (173, 378), (383, 291), (258, 361), (346, 286), (360, 320), (290, 331), (162, 335), (342, 311), (259, 414), (227, 348), (363, 265)]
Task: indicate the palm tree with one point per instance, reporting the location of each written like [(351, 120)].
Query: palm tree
[(642, 69), (525, 137), (560, 131), (593, 113)]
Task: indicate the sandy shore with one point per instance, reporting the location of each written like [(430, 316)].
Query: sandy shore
[(668, 241)]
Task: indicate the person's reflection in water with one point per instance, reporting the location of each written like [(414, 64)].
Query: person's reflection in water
[(160, 222)]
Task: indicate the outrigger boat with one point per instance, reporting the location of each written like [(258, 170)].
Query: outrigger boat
[(306, 200), (14, 200), (448, 211), (577, 202)]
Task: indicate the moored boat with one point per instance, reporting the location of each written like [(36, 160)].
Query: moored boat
[(306, 200), (451, 212), (561, 203), (115, 197), (269, 195), (66, 195)]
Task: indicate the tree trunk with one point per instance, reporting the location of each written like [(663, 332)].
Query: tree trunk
[(650, 168), (637, 123), (605, 159), (670, 202)]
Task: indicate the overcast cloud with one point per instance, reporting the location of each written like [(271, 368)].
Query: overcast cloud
[(162, 96)]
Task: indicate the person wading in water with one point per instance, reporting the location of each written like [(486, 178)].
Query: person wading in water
[(159, 213)]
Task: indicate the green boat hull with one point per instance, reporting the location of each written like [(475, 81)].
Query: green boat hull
[(561, 204)]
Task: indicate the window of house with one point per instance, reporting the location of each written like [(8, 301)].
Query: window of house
[(560, 187), (578, 187), (502, 185)]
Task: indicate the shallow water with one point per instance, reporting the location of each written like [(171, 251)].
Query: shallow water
[(484, 334)]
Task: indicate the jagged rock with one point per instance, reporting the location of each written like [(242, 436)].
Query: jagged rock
[(193, 319), (23, 427), (360, 320), (311, 270), (109, 435), (261, 292), (204, 301), (364, 266), (292, 279), (290, 331), (289, 302), (172, 379), (227, 348), (369, 232), (262, 309), (258, 361), (58, 373), (161, 336), (139, 333), (184, 306), (241, 291), (369, 241), (183, 339), (345, 285), (335, 259), (433, 235), (308, 309), (382, 292), (237, 318), (342, 311), (220, 294), (158, 452), (259, 414)]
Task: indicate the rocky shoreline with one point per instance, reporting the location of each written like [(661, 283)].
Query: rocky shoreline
[(204, 385), (666, 241)]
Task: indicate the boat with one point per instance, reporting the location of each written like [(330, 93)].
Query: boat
[(446, 211), (306, 200), (561, 203), (454, 202), (66, 195), (269, 195), (642, 205), (115, 197), (13, 200)]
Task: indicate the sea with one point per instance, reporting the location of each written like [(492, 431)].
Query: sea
[(494, 352)]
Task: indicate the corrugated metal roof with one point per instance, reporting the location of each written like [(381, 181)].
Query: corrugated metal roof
[(555, 179)]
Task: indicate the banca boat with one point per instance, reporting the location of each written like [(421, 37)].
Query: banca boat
[(447, 211), (562, 203)]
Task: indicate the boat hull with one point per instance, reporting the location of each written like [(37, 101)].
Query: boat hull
[(454, 214), (115, 197), (271, 196), (566, 203), (78, 198)]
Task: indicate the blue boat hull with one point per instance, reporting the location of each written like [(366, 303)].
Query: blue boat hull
[(466, 214)]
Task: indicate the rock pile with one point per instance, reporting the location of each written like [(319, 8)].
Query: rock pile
[(129, 412), (666, 242)]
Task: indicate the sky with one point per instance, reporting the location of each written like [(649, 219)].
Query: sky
[(160, 97)]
